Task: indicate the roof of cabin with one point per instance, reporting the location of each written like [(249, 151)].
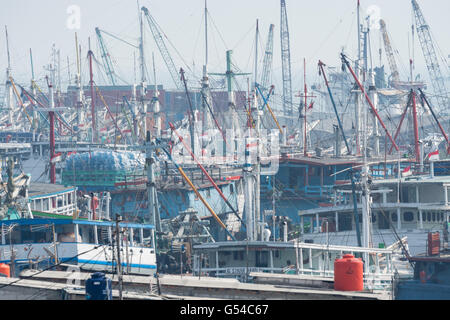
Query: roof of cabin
[(39, 190)]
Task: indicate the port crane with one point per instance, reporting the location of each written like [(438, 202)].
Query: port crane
[(107, 63), (267, 62), (429, 52), (286, 62), (163, 48), (106, 56), (389, 52)]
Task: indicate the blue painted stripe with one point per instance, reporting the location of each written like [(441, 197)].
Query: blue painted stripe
[(87, 261), (108, 263), (111, 224), (27, 260), (50, 221)]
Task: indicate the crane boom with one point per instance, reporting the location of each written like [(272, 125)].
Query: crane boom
[(162, 48), (109, 68), (267, 62), (429, 52), (389, 52), (286, 62)]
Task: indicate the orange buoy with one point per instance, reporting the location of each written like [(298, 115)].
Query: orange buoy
[(5, 270), (348, 274), (423, 276)]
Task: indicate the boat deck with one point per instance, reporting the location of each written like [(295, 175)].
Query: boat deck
[(37, 189)]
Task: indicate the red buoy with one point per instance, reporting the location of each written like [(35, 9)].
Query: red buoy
[(348, 274), (5, 270)]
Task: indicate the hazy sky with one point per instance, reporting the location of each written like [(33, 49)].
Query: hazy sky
[(318, 30)]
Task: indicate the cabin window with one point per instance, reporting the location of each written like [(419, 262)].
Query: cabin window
[(374, 218), (60, 201), (27, 234), (428, 216), (262, 259), (37, 204), (408, 216), (394, 216), (383, 222), (139, 196), (434, 217), (147, 234), (293, 179), (86, 233), (65, 233), (441, 216), (102, 235), (69, 198), (345, 221), (238, 255), (46, 204), (404, 195)]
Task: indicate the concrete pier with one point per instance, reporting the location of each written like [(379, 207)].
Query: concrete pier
[(189, 287)]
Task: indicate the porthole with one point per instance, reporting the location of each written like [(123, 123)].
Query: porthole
[(394, 217), (408, 216)]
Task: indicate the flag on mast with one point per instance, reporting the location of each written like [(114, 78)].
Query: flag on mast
[(433, 156), (56, 158), (407, 171)]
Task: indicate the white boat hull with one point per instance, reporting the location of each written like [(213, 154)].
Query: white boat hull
[(141, 260)]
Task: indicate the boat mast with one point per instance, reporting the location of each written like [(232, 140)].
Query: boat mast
[(35, 125), (79, 106), (256, 54), (365, 195), (305, 153), (119, 263), (258, 213), (356, 90), (9, 92), (156, 106), (258, 216), (133, 100), (91, 82), (373, 94), (151, 186), (205, 90), (143, 79), (51, 115)]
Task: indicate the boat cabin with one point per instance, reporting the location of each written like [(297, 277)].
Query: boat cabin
[(237, 259), (88, 244), (52, 199)]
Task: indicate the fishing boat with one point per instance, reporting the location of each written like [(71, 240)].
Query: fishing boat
[(42, 226), (431, 280), (84, 244), (403, 208)]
